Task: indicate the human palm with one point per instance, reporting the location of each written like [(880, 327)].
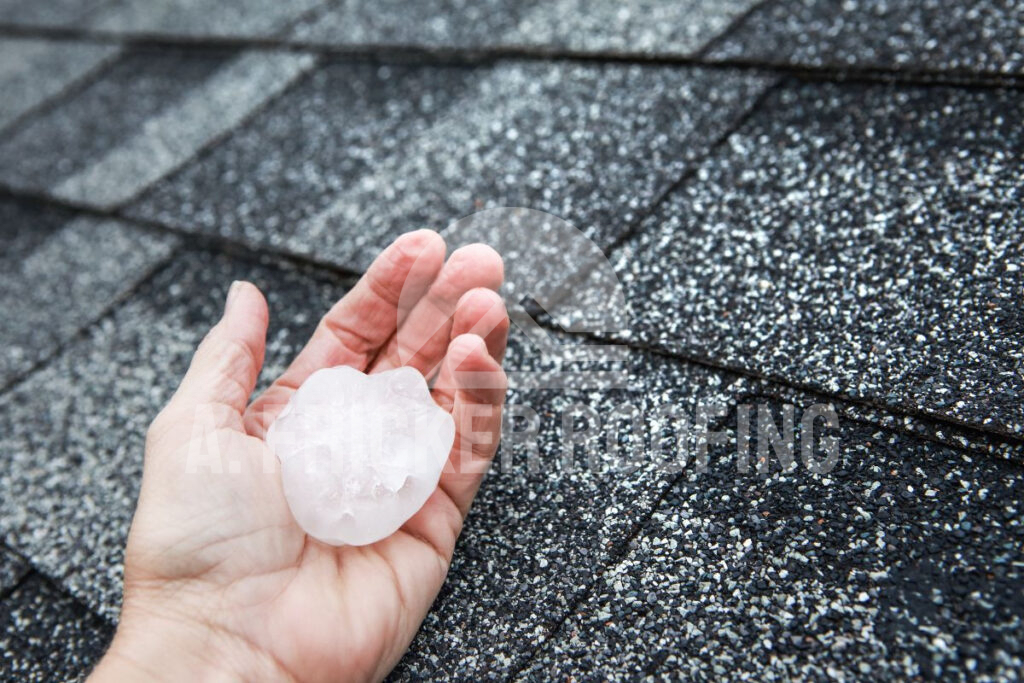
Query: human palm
[(219, 578)]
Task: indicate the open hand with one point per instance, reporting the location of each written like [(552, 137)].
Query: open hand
[(220, 582)]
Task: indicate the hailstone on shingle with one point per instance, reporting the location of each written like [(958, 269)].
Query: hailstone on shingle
[(360, 454)]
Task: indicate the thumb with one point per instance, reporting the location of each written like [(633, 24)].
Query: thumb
[(227, 363)]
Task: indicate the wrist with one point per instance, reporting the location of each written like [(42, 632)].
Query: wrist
[(155, 645)]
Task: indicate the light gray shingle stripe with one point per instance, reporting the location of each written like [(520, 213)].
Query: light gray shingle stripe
[(68, 281), (500, 146), (32, 71), (170, 139), (200, 17)]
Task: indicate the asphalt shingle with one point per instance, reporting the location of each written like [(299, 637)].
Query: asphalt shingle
[(679, 28), (428, 23), (287, 165), (857, 240), (32, 71), (47, 636), (192, 18), (199, 17), (47, 12), (358, 155), (656, 27), (547, 520), (12, 569), (58, 273), (901, 562), (919, 35), (72, 434), (861, 241), (974, 441), (148, 114)]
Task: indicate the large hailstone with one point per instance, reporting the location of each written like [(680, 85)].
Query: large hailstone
[(360, 454)]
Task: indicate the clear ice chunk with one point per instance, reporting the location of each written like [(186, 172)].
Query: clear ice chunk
[(360, 454)]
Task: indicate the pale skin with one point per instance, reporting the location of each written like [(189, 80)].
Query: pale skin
[(220, 583)]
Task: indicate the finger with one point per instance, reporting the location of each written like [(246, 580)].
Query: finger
[(482, 312), (354, 330), (422, 339), (472, 385), (227, 363)]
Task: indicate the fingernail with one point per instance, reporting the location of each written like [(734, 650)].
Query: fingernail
[(233, 290)]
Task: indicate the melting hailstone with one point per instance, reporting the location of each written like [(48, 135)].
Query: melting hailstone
[(360, 454)]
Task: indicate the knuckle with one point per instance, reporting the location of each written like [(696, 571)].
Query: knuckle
[(387, 289)]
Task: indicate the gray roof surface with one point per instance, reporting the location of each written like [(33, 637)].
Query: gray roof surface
[(421, 146), (906, 548), (805, 201), (602, 27), (193, 18), (887, 220), (923, 35), (34, 70)]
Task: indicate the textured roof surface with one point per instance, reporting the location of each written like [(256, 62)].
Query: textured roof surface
[(806, 202), (921, 35)]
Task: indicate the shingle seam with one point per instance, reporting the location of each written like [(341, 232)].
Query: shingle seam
[(733, 26), (694, 168), (580, 276), (960, 78), (713, 364), (764, 393), (202, 240), (308, 15), (774, 388), (70, 90), (58, 588), (26, 570), (619, 552), (446, 56), (14, 587)]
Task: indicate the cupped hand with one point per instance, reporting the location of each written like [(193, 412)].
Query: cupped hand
[(220, 582)]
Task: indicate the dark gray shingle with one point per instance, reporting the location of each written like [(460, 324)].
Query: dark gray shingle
[(47, 636), (903, 562), (199, 18), (920, 35), (536, 538), (53, 13), (864, 241), (271, 176), (13, 569)]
